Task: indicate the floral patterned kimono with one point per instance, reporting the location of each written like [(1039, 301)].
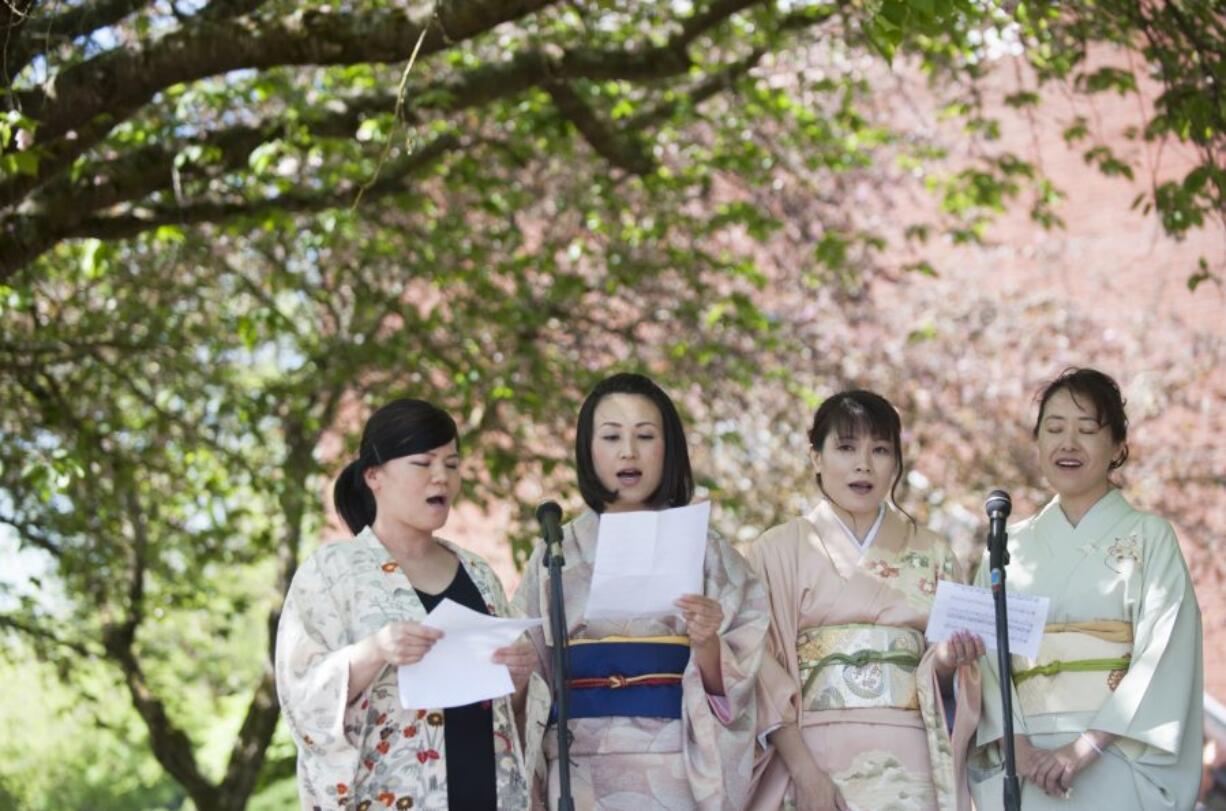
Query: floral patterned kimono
[(634, 757), (847, 661), (371, 752), (1121, 653)]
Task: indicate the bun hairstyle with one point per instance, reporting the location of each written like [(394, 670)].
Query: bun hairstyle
[(677, 481), (1102, 393), (401, 428), (854, 413)]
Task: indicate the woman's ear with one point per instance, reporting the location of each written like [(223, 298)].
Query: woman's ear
[(372, 478), (815, 457)]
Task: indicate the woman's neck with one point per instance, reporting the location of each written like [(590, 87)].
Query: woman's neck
[(402, 540), (1077, 505)]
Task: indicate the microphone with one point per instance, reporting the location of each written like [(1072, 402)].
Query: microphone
[(998, 507), (549, 516)]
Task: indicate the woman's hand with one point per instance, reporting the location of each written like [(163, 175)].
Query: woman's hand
[(1053, 771), (815, 791), (963, 648), (520, 659), (702, 616), (403, 643)]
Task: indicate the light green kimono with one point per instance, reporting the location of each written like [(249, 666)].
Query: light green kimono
[(1118, 567)]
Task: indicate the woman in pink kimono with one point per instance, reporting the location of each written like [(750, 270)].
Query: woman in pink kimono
[(662, 708), (353, 614), (850, 711)]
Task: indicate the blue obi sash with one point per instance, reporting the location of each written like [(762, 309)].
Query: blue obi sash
[(627, 676)]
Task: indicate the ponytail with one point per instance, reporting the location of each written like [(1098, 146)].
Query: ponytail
[(353, 498)]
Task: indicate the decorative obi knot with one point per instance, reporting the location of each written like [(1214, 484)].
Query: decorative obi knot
[(1079, 665), (627, 676), (858, 666)]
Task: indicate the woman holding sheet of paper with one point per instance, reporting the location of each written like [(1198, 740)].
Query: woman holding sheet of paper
[(1110, 714), (850, 710), (662, 706), (353, 614)]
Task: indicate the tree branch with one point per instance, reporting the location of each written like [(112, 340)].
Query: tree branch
[(41, 35), (42, 234), (33, 535), (171, 746), (46, 636), (617, 148)]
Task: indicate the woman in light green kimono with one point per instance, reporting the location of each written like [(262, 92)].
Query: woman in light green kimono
[(1110, 714)]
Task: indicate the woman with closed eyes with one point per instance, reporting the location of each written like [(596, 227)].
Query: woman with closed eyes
[(353, 615)]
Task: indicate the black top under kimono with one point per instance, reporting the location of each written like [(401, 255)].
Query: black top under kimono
[(468, 731)]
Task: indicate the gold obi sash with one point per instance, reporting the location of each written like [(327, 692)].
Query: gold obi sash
[(857, 666), (1080, 664)]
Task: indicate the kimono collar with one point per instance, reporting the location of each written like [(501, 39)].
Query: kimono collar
[(368, 539), (584, 530), (843, 551), (870, 536), (1096, 523)]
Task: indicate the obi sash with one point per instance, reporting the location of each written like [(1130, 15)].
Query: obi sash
[(1079, 665), (627, 676), (858, 666)]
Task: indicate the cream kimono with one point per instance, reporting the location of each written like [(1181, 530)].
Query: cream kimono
[(847, 661), (642, 763), (1121, 654), (371, 752)]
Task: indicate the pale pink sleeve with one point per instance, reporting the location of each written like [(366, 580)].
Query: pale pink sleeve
[(773, 559), (721, 708)]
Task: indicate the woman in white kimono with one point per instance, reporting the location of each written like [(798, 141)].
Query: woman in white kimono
[(662, 709), (1110, 714), (850, 708), (353, 615)]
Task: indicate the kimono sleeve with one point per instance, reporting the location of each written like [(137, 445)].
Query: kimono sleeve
[(1161, 694), (773, 559), (719, 754), (312, 667)]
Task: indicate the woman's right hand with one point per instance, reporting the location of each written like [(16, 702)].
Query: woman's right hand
[(817, 792), (403, 643)]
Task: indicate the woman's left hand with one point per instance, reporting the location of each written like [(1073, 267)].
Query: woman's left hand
[(520, 659), (963, 648), (702, 616), (1054, 770)]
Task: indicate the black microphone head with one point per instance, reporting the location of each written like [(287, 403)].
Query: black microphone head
[(547, 510), (998, 504)]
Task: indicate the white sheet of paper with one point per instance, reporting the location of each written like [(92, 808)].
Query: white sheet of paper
[(958, 607), (646, 560), (458, 670)]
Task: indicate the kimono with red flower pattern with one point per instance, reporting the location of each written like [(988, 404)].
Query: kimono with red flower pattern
[(371, 753)]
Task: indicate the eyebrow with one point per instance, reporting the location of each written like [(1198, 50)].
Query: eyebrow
[(613, 424)]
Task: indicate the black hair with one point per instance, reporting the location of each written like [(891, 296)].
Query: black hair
[(1102, 392), (401, 428), (857, 412), (676, 482)]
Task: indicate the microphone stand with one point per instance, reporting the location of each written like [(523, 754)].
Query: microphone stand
[(561, 663), (998, 559)]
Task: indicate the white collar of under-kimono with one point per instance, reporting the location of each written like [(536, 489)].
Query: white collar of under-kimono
[(872, 531)]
